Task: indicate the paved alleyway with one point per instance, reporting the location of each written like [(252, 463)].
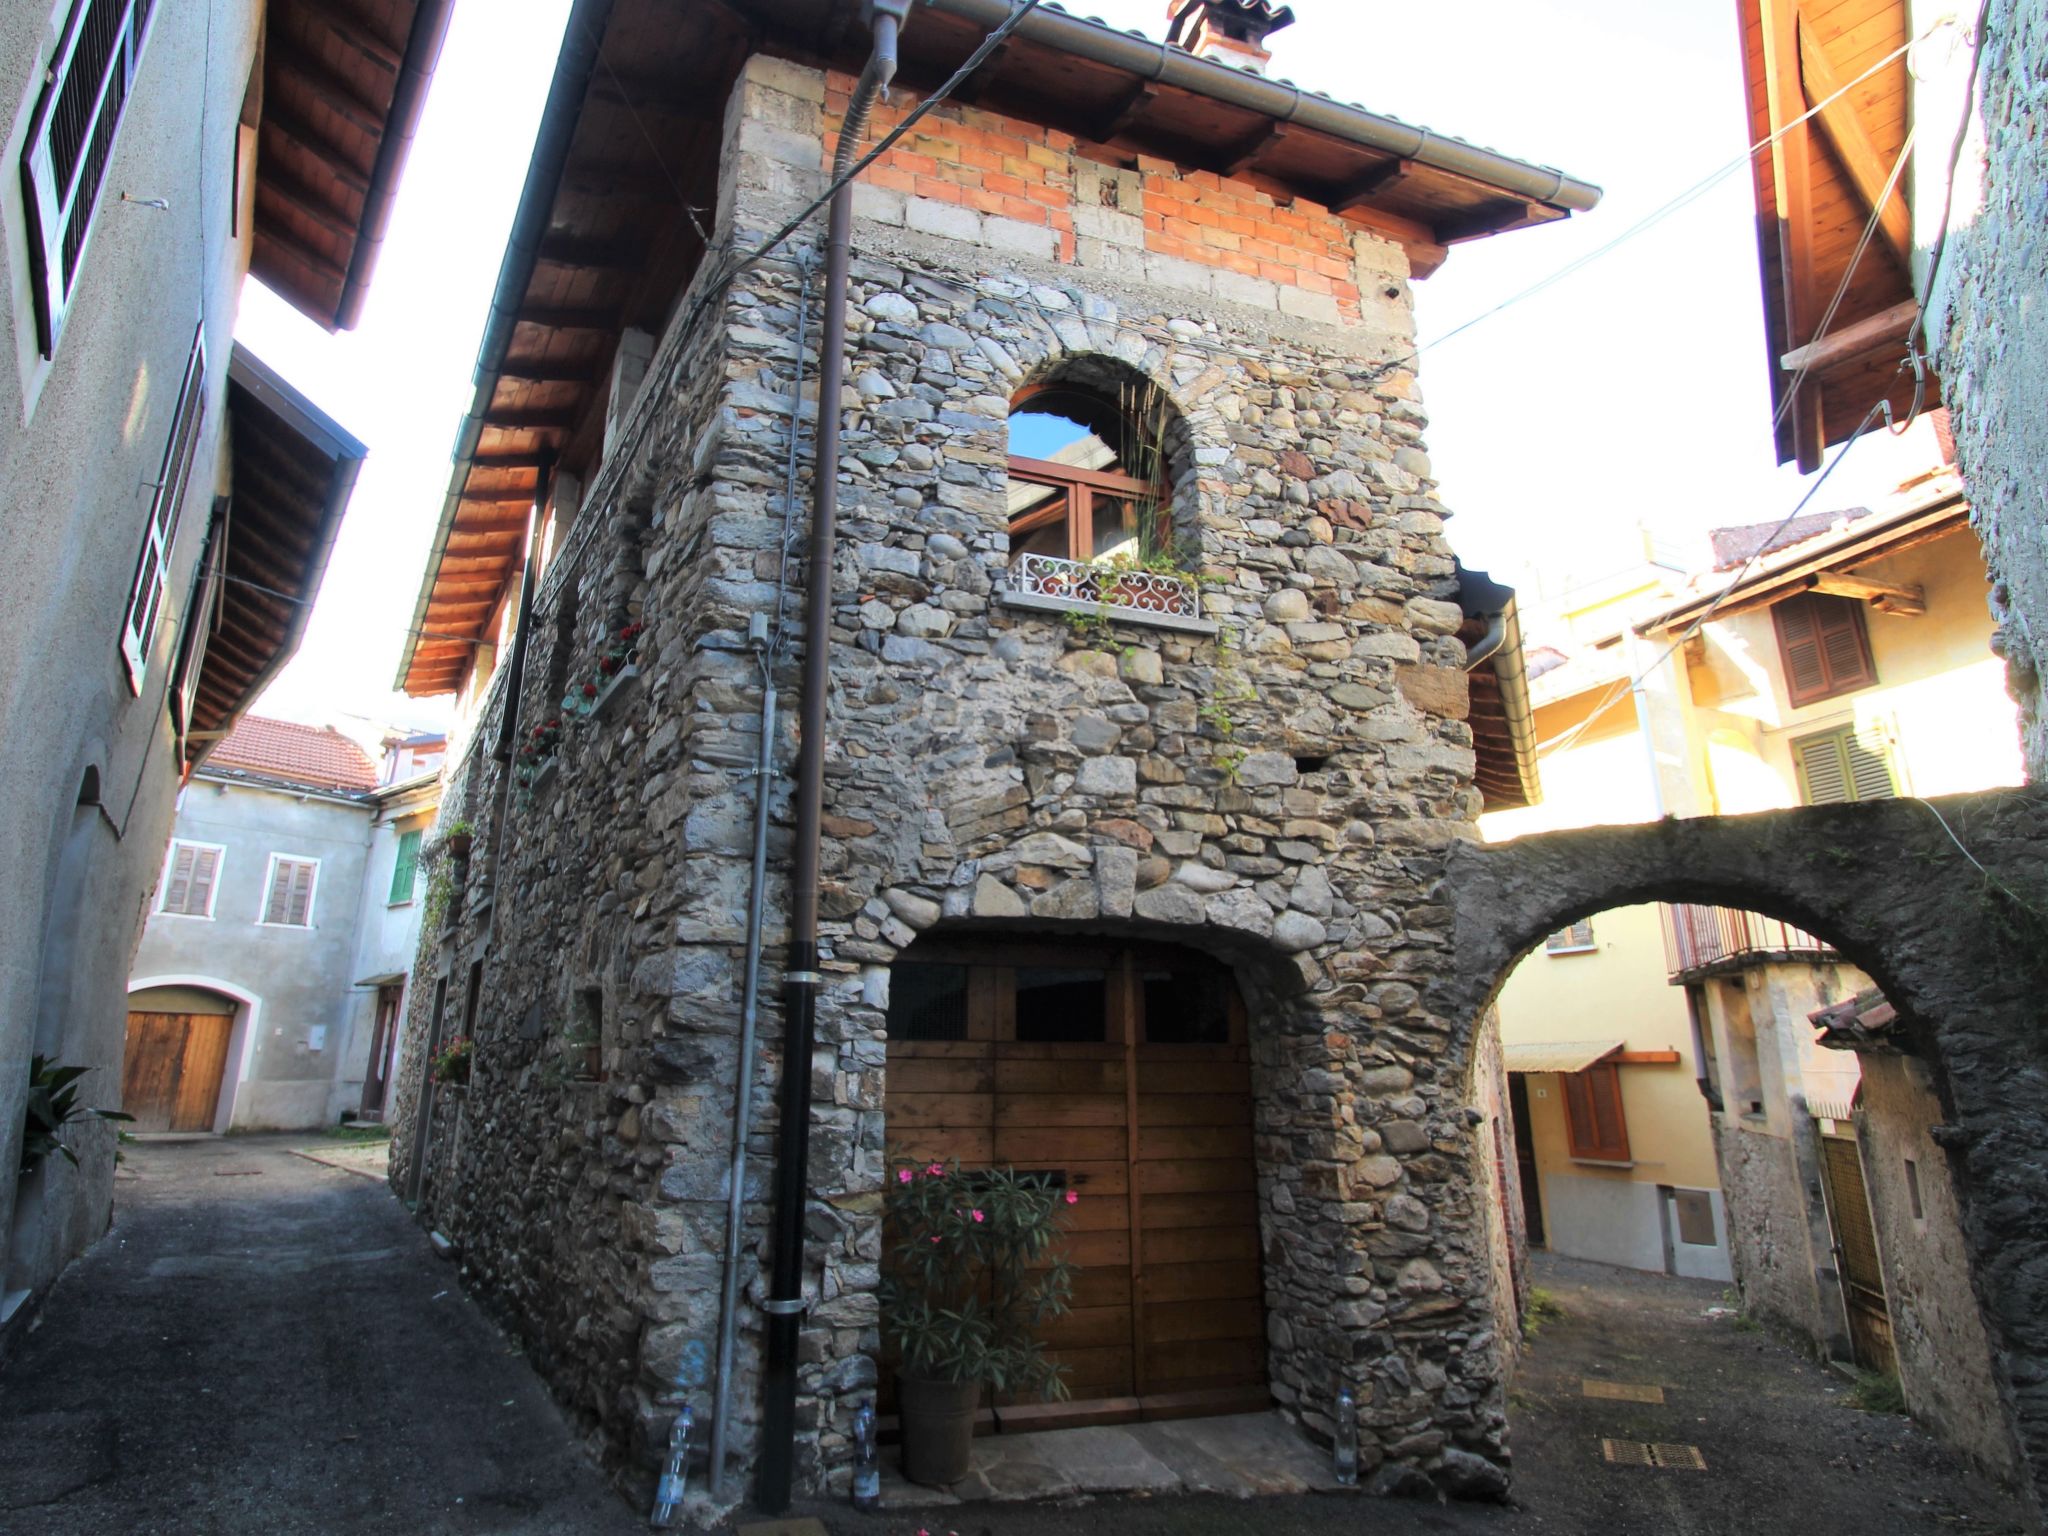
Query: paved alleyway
[(263, 1344)]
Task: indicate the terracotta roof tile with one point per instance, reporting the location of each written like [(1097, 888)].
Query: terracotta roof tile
[(317, 756)]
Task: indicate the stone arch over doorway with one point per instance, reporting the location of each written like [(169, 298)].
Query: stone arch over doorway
[(1942, 903)]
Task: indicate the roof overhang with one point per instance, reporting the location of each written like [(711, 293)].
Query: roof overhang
[(1800, 567), (293, 470), (342, 89), (1815, 191), (1502, 719), (1558, 1055), (630, 139)]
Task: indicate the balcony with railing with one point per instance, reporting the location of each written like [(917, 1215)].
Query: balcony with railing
[(1138, 594), (1708, 941)]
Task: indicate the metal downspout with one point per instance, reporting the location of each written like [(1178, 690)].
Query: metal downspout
[(801, 977)]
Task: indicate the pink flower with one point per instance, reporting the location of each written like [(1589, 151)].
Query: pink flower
[(903, 1176), (975, 1214), (935, 1237), (1072, 1198), (937, 1170)]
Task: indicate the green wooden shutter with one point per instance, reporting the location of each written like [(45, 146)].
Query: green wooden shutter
[(1837, 765), (406, 873)]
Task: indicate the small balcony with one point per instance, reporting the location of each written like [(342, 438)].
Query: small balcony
[(1710, 941), (1051, 584)]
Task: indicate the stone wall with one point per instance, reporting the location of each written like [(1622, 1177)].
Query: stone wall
[(1276, 783), (1945, 1361), (1941, 903), (1770, 1239), (1992, 348)]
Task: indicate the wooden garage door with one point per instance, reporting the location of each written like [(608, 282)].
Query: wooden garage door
[(172, 1076), (1121, 1072)]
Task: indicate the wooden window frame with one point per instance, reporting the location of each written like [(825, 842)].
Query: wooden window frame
[(160, 533), (1572, 945), (62, 201), (409, 868), (1817, 614), (1076, 503), (1585, 1092), (220, 859), (277, 861)]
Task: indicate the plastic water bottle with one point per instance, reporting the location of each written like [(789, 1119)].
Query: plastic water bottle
[(867, 1471), (1347, 1438), (675, 1472)]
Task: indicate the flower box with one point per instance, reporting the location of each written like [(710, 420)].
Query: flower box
[(616, 689)]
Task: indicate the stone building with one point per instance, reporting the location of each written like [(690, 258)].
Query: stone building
[(1155, 699), (170, 500)]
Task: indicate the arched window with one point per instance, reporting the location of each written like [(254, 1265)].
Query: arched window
[(1088, 474)]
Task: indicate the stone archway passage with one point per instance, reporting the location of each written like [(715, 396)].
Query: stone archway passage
[(1943, 903), (1123, 1072)]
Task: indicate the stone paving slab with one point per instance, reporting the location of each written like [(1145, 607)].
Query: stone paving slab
[(1241, 1456)]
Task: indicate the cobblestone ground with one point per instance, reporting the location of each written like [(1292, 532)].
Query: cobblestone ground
[(264, 1344)]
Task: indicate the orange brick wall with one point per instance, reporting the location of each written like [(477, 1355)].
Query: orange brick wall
[(1016, 170)]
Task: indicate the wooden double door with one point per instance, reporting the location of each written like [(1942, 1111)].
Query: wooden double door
[(1121, 1072), (171, 1075)]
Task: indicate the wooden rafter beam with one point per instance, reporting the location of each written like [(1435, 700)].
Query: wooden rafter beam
[(537, 460), (1843, 128), (1792, 176), (1873, 333), (1381, 178), (317, 144), (600, 318), (510, 419), (541, 371), (334, 91), (1246, 152), (971, 90), (619, 181), (1125, 114), (352, 32), (288, 189), (591, 255), (1495, 218), (1885, 596), (276, 234)]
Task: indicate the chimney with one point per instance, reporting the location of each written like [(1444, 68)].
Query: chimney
[(1228, 31)]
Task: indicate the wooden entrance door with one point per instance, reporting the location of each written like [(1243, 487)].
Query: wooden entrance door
[(1870, 1322), (170, 1080), (383, 1044), (1121, 1072)]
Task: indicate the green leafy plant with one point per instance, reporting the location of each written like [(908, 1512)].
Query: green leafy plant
[(1877, 1392), (440, 893), (967, 1284), (53, 1105), (1543, 1309)]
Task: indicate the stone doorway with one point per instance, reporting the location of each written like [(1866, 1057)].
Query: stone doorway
[(1121, 1071)]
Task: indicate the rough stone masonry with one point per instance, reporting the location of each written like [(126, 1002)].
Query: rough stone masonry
[(1278, 784)]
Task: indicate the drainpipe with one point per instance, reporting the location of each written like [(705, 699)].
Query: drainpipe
[(801, 977)]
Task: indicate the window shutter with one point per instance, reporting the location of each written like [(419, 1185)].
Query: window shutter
[(298, 909), (1823, 645), (160, 534), (290, 902), (70, 140), (404, 876), (1836, 766), (205, 864), (1595, 1127), (178, 889), (201, 619), (275, 901)]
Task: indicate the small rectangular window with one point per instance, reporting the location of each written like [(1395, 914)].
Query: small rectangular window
[(1913, 1191), (70, 143), (289, 902), (191, 875), (160, 534), (1187, 1007), (1575, 940), (1595, 1127), (1059, 1005), (406, 873), (1823, 646), (927, 1002), (1841, 765)]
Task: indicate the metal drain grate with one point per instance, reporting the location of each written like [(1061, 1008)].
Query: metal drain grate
[(1621, 1391), (1634, 1453)]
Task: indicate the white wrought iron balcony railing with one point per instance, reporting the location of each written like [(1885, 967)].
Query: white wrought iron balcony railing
[(1163, 599), (1700, 940)]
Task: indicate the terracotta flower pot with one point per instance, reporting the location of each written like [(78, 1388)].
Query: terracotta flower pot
[(937, 1419), (459, 844)]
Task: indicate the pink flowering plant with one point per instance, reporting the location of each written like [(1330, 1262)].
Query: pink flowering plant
[(969, 1279)]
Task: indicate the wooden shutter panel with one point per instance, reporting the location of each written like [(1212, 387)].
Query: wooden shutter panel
[(298, 908), (178, 889), (1870, 775), (1823, 645), (275, 900), (1823, 775), (1594, 1124), (406, 873), (199, 898), (1806, 674)]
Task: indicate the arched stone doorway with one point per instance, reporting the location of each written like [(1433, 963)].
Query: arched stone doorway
[(1120, 1069), (188, 1042), (1941, 903)]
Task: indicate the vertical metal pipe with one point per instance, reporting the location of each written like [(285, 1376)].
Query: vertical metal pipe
[(801, 979)]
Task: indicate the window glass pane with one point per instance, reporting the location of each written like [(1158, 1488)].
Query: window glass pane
[(1116, 528), (1057, 1005), (927, 1002), (1188, 1007)]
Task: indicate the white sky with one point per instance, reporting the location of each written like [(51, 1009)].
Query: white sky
[(1632, 393)]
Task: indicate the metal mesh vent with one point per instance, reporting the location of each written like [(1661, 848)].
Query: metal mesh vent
[(1634, 1453), (1620, 1391)]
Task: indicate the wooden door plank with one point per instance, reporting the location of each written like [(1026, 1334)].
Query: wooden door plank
[(1164, 1109), (965, 1145), (1090, 1328), (1237, 1208), (1045, 1110), (1207, 1077), (1059, 1077), (1179, 1143), (1054, 1147), (1209, 1176), (919, 1111), (149, 1070), (1130, 1003), (1226, 1280), (199, 1075), (1171, 1322), (1200, 1245), (955, 1076)]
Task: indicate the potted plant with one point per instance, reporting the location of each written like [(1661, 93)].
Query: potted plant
[(458, 838), (52, 1105), (538, 751), (450, 1066), (583, 1049), (966, 1288)]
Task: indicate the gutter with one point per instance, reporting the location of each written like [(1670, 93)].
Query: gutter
[(581, 40), (1280, 100), (401, 126)]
